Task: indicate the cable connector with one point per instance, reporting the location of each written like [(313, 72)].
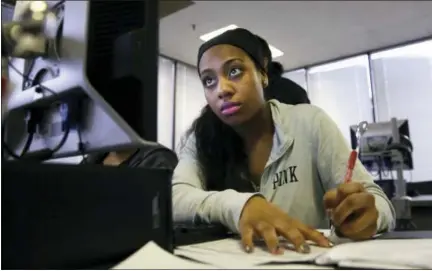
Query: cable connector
[(33, 117), (64, 114)]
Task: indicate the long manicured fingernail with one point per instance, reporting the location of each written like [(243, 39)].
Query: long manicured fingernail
[(331, 244), (248, 249), (304, 248), (279, 251)]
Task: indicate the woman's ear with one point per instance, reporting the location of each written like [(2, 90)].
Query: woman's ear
[(264, 79), (266, 63)]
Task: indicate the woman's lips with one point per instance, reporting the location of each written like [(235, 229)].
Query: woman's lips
[(230, 110)]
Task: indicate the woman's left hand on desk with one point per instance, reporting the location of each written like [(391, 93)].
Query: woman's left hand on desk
[(353, 211)]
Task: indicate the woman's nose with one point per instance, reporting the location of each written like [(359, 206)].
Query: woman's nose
[(225, 88)]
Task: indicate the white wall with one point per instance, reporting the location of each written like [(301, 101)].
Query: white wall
[(342, 89), (297, 76), (166, 102), (190, 99)]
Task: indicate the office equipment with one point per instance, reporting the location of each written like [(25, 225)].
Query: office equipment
[(379, 140), (405, 253), (81, 216), (387, 146), (96, 90)]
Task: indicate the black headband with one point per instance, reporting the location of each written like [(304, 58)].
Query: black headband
[(240, 38)]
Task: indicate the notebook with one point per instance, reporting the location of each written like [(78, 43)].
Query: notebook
[(381, 254), (151, 256)]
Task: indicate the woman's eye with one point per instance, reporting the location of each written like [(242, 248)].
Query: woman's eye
[(235, 72), (208, 82)]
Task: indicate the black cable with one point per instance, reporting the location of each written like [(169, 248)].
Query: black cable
[(64, 112), (65, 118), (33, 117), (26, 76), (28, 144), (65, 121), (57, 5), (81, 145)]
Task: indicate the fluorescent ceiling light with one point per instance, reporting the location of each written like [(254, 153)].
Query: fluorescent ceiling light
[(274, 51), (217, 32)]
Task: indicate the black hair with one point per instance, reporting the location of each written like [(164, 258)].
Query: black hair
[(240, 38), (265, 49), (219, 149), (220, 154), (275, 69)]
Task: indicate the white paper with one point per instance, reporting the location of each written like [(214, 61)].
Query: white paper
[(287, 266), (336, 240), (234, 256), (413, 253), (371, 265), (151, 256)]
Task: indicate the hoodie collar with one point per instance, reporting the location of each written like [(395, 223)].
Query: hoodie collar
[(282, 137)]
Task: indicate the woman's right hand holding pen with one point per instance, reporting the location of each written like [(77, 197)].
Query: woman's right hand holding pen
[(265, 220), (352, 210)]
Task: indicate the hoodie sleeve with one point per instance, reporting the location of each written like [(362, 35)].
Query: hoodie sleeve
[(191, 203), (333, 152)]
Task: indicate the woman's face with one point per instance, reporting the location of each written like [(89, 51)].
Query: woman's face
[(232, 83)]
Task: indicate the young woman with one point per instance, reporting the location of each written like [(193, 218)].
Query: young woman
[(266, 169)]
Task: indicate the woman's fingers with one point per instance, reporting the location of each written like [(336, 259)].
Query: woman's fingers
[(350, 205), (365, 234), (247, 234), (363, 221), (263, 219), (270, 236), (315, 236), (294, 236)]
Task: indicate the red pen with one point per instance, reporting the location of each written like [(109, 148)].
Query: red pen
[(361, 129), (351, 163)]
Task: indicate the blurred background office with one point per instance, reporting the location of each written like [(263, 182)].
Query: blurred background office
[(358, 60)]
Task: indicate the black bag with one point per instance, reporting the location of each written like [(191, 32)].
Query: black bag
[(153, 157), (149, 156)]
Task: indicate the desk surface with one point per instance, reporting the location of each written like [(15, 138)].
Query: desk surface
[(422, 200)]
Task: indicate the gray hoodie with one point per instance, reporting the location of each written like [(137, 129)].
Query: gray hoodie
[(308, 158)]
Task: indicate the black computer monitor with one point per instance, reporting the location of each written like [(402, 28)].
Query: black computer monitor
[(96, 91), (380, 139), (81, 216)]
